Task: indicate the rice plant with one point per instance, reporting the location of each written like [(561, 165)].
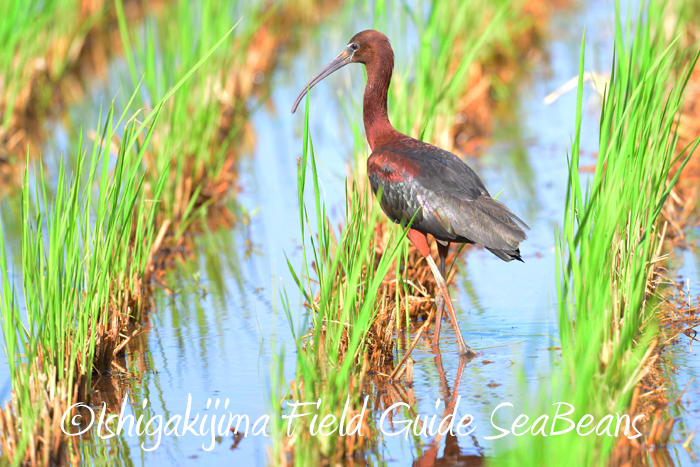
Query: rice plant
[(84, 258), (609, 244), (349, 279), (452, 36)]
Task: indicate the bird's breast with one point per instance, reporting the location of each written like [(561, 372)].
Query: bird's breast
[(391, 167)]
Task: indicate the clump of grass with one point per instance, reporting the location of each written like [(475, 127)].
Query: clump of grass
[(451, 39), (86, 264), (501, 70), (610, 241), (84, 257), (330, 358)]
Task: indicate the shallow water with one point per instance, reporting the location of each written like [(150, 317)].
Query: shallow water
[(213, 334)]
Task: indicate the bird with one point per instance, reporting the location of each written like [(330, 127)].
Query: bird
[(423, 187)]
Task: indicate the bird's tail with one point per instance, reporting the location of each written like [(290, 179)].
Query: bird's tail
[(507, 255), (494, 226)]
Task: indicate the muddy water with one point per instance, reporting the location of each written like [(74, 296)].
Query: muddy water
[(213, 332)]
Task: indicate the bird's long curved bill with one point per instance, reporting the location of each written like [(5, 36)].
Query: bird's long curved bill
[(338, 62)]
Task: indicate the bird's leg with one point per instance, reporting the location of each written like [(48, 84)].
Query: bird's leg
[(442, 287), (440, 299), (440, 306), (420, 241), (442, 251)]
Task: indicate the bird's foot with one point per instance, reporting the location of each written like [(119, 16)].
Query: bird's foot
[(468, 353), (464, 350)]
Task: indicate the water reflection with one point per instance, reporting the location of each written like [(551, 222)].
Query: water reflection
[(452, 453)]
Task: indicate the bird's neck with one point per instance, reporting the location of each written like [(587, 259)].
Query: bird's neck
[(377, 125)]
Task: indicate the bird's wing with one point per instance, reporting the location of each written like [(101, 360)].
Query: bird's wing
[(441, 170), (453, 200)]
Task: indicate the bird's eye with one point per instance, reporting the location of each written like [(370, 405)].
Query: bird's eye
[(354, 46)]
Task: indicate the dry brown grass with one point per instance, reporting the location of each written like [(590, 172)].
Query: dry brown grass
[(688, 186), (679, 317)]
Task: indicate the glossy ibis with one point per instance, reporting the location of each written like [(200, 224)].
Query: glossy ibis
[(448, 199)]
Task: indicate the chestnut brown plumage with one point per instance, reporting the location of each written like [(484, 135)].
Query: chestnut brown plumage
[(442, 194)]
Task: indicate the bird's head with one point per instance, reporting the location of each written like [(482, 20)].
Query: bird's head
[(367, 47)]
